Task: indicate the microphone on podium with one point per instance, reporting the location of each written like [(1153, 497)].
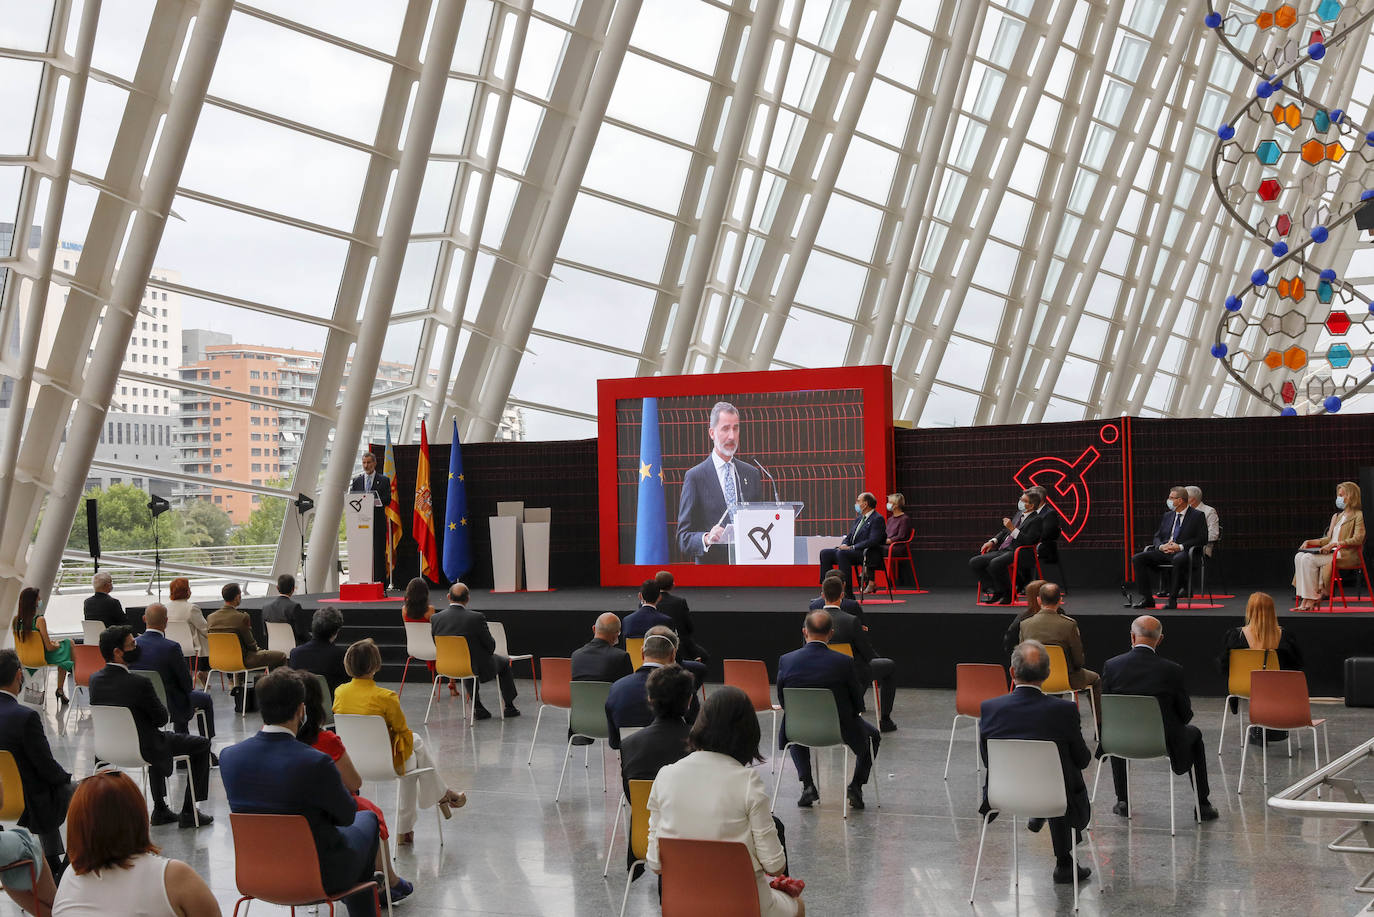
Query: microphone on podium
[(773, 480)]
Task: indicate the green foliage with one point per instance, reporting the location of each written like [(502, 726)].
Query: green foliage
[(264, 525), (207, 525), (126, 524)]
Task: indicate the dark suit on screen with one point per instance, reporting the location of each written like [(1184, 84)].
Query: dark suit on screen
[(816, 665), (104, 608), (163, 656), (598, 660), (1188, 532), (48, 787), (863, 546), (993, 568), (702, 504), (461, 621)]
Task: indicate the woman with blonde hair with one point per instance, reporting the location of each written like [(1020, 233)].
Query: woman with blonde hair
[(1312, 564), (1261, 631)]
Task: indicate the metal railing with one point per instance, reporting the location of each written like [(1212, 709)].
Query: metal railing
[(219, 564), (1346, 800)]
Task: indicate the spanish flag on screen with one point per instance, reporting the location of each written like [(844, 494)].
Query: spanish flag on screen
[(393, 509), (651, 525), (422, 526)]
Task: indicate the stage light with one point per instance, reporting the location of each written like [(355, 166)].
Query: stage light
[(158, 505), (303, 504)]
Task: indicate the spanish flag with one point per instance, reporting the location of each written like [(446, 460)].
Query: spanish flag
[(393, 509), (422, 526)]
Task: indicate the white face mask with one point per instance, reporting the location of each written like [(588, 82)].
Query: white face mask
[(858, 508), (1023, 506), (890, 507), (1169, 505), (1340, 503)]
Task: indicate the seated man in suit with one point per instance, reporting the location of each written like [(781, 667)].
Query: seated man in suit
[(675, 607), (638, 622), (229, 620), (319, 655), (870, 666), (992, 566), (158, 654), (457, 620), (1181, 529), (663, 741), (863, 545), (816, 665), (1208, 513), (116, 686), (1050, 625), (102, 606), (601, 658), (628, 702), (283, 609), (1144, 671), (1029, 713), (273, 774), (48, 787), (850, 605), (711, 488)]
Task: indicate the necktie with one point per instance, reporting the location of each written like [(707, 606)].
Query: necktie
[(731, 494), (369, 483), (1178, 520)]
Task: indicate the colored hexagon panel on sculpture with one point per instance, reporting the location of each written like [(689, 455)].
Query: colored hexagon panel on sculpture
[(1273, 359), (1268, 189), (1335, 152), (1268, 152), (1288, 392), (1283, 223), (1328, 10), (1324, 292), (1339, 356), (1285, 17), (1338, 322), (1265, 20), (1321, 121), (1295, 358), (1313, 152), (1291, 288)]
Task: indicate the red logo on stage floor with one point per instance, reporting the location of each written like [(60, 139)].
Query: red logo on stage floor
[(1065, 485)]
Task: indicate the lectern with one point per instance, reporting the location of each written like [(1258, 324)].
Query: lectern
[(764, 533), (360, 511)]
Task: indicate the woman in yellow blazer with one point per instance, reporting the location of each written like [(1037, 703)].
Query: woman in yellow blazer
[(364, 697), (1312, 568)]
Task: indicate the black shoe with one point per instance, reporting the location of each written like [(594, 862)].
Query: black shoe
[(1146, 602), (1034, 825), (162, 815), (1121, 809), (510, 711), (62, 698), (886, 725), (809, 796), (1161, 595), (188, 820), (481, 713), (1063, 875), (581, 740), (637, 872), (1233, 704), (855, 795), (214, 759), (1208, 812)]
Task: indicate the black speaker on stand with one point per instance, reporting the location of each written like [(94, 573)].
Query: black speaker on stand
[(157, 506), (93, 531)]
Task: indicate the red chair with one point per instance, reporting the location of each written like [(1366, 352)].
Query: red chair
[(1338, 583), (556, 674), (707, 877), (751, 677), (1015, 560), (275, 861), (894, 562), (1279, 700), (974, 682)]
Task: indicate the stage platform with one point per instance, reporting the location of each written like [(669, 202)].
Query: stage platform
[(927, 634)]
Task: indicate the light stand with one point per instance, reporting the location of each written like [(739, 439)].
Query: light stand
[(303, 505), (157, 506)]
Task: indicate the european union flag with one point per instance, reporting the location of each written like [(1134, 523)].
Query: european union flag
[(651, 524), (457, 524)]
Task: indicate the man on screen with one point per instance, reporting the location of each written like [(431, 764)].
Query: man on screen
[(711, 488)]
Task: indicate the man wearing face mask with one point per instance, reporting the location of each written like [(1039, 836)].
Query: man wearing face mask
[(711, 488), (992, 566), (1181, 529), (863, 545)]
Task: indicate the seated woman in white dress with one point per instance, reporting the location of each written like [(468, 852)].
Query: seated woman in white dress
[(715, 794), (1312, 564)]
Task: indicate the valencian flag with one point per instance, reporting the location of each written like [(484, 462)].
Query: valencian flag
[(422, 526), (651, 526), (393, 509), (457, 526)]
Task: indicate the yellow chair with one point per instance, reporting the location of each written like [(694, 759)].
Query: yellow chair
[(226, 657), (635, 647), (32, 655), (843, 648), (1058, 682), (13, 787), (1242, 663), (639, 831), (453, 659), (848, 650)]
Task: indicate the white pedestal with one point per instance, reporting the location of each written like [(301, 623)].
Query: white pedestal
[(536, 538), (359, 517), (505, 553)]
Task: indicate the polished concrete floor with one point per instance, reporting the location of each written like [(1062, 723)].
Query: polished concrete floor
[(514, 851)]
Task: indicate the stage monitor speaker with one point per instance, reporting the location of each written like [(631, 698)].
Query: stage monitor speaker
[(1364, 216), (93, 527)]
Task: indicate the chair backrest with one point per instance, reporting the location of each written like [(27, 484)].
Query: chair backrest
[(1241, 664), (181, 632), (420, 641), (1278, 700), (1058, 682), (1025, 777), (588, 701), (91, 631), (369, 744), (635, 647), (328, 699), (751, 677), (30, 649), (639, 817), (13, 784), (159, 687), (843, 648), (555, 678), (116, 737), (280, 636), (226, 653), (975, 682), (498, 636), (275, 859), (707, 877), (1133, 726), (811, 717), (453, 658), (86, 661)]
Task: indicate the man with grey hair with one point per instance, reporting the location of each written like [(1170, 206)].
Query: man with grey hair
[(1143, 671), (713, 487), (102, 606), (1210, 514), (1029, 713), (1181, 529), (627, 705)]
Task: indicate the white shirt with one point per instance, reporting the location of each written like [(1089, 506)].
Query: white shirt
[(721, 464), (281, 729)]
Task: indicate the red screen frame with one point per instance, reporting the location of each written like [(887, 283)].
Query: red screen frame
[(874, 381)]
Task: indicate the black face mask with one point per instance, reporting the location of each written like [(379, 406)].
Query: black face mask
[(131, 656)]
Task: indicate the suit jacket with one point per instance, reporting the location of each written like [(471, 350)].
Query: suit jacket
[(1049, 535), (114, 686), (1191, 534), (163, 656), (1061, 630), (869, 535), (461, 621), (850, 605), (637, 623), (849, 629), (321, 658), (816, 665), (642, 755), (675, 607), (381, 486), (702, 503), (283, 609), (1143, 671), (628, 703), (1029, 528), (231, 620), (1351, 533), (47, 785), (1028, 713), (105, 608), (600, 661)]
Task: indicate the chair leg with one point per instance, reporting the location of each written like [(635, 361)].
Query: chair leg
[(1168, 770), (535, 737), (615, 828), (950, 751), (603, 768), (1097, 779), (1225, 709), (629, 877), (982, 836), (566, 755), (404, 672), (782, 766), (434, 689), (1073, 852), (1264, 746), (1015, 856), (844, 769), (773, 741), (1244, 747)]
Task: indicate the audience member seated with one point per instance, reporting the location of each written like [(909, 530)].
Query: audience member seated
[(314, 734), (457, 620), (870, 666), (899, 529), (181, 611), (1144, 671), (27, 620), (637, 623), (1213, 520), (319, 655), (1029, 713), (1261, 631), (664, 740), (271, 773), (601, 659), (116, 686), (1013, 634), (18, 844), (863, 546), (715, 794), (115, 865), (47, 785), (158, 654), (1181, 529), (102, 606), (675, 607), (628, 702), (1312, 563), (816, 665), (992, 566), (1051, 626), (229, 620), (848, 604), (364, 697), (416, 607), (283, 609)]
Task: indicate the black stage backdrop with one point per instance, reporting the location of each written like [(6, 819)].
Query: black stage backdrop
[(1272, 480)]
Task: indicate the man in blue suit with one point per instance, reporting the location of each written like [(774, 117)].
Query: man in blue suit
[(638, 622), (628, 702), (1180, 530), (863, 545), (712, 487), (816, 665), (48, 787), (273, 774), (165, 657)]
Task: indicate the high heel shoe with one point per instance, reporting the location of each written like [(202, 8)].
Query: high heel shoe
[(452, 688), (450, 801), (62, 698)]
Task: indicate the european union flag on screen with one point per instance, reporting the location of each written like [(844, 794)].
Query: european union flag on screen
[(651, 525), (457, 524)]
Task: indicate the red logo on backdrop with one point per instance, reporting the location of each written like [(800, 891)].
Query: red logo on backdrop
[(1065, 484)]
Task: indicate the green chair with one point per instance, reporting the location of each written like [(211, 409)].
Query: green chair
[(160, 689), (811, 720), (1133, 730), (587, 717)]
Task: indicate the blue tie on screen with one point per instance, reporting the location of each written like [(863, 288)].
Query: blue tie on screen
[(731, 494), (651, 523)]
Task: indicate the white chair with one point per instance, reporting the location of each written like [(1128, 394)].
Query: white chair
[(91, 631), (280, 636), (369, 745), (1025, 777), (116, 742), (419, 647), (181, 632), (498, 635)]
